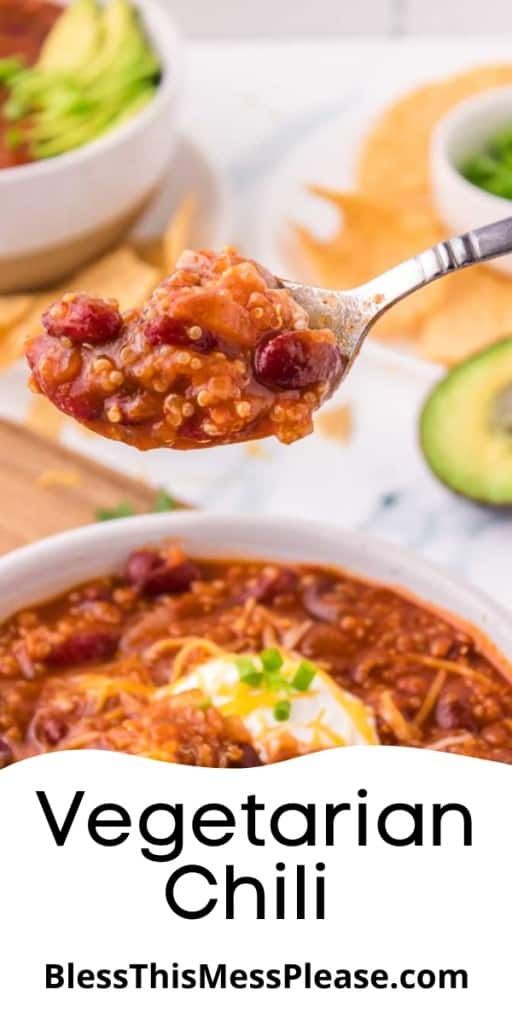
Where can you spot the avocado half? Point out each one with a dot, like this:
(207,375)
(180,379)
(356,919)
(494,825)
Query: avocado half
(466,426)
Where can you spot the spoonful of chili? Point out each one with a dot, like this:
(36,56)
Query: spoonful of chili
(223,351)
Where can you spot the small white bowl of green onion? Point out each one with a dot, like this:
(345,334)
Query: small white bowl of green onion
(471,165)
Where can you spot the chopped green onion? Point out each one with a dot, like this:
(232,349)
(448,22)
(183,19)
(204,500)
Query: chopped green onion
(491,168)
(164,502)
(271,659)
(276,681)
(282,710)
(253,679)
(304,676)
(245,666)
(248,671)
(120,511)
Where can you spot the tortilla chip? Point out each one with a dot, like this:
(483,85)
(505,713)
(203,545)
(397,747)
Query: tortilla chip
(13,308)
(178,233)
(151,250)
(371,239)
(392,218)
(476,312)
(336,424)
(120,275)
(59,478)
(394,161)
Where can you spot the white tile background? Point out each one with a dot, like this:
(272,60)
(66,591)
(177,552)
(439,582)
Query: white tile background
(340,17)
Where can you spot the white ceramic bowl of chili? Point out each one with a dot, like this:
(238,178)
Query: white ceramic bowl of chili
(40,571)
(60,213)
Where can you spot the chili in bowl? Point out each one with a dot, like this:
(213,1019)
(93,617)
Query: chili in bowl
(227,642)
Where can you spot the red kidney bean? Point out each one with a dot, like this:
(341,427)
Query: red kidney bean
(325,641)
(53,730)
(268,586)
(294,360)
(165,330)
(83,647)
(249,759)
(141,564)
(65,389)
(83,318)
(193,429)
(77,403)
(315,599)
(454,708)
(171,579)
(153,575)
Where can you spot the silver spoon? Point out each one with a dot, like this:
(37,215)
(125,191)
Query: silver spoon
(351,314)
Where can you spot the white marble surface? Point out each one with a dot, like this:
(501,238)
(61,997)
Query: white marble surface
(247,105)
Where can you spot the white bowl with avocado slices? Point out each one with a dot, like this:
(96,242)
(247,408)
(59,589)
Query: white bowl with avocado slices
(63,210)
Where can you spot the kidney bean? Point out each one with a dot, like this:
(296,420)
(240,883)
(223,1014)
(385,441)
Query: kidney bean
(324,641)
(78,403)
(166,330)
(295,359)
(153,575)
(82,647)
(64,386)
(319,601)
(249,759)
(141,564)
(82,318)
(171,579)
(454,709)
(270,585)
(53,730)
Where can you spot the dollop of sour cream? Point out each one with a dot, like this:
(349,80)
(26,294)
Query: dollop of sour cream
(322,716)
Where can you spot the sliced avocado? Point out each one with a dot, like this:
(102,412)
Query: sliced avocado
(466,426)
(74,39)
(9,68)
(123,44)
(77,134)
(76,131)
(97,69)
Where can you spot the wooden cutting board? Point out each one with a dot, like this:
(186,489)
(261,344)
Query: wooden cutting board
(45,488)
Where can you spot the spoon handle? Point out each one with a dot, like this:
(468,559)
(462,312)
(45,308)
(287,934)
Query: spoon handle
(476,246)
